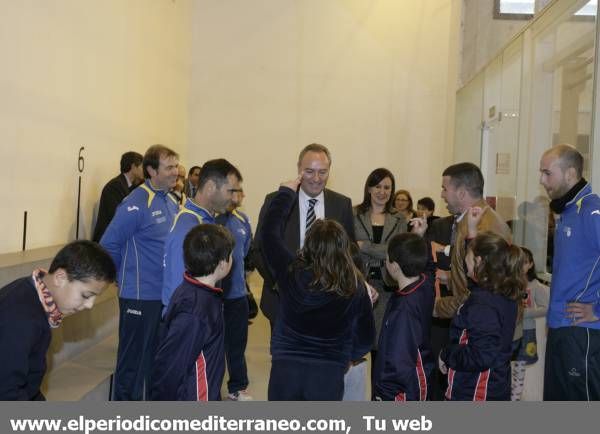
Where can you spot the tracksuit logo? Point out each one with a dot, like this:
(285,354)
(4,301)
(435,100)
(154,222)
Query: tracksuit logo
(574,373)
(134,312)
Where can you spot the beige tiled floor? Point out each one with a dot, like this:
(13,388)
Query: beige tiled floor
(72,380)
(89,370)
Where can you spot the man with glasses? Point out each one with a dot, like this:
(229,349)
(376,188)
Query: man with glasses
(235,300)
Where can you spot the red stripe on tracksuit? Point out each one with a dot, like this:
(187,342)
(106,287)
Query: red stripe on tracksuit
(464,340)
(480,393)
(201,381)
(401,397)
(421,377)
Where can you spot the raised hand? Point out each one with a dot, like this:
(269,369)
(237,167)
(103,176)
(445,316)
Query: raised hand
(292,184)
(474,215)
(418,225)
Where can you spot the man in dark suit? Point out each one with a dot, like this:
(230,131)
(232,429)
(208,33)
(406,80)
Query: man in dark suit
(191,183)
(440,235)
(132,174)
(314,202)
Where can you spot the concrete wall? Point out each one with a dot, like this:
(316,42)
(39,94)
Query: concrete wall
(373,80)
(108,75)
(251,81)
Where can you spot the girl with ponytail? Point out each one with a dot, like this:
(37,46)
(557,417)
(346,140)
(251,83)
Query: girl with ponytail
(478,357)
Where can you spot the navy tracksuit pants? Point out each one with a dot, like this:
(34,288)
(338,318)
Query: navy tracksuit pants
(293,380)
(235,312)
(572,367)
(138,326)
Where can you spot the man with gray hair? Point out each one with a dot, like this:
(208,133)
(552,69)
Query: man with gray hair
(572,367)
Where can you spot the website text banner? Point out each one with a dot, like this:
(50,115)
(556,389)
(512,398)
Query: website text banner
(297,417)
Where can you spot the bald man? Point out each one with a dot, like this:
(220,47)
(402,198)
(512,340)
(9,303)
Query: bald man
(572,368)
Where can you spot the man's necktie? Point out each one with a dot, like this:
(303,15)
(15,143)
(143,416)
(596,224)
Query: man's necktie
(310,214)
(453,230)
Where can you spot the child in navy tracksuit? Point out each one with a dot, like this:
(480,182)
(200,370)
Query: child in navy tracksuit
(190,361)
(32,305)
(478,357)
(326,318)
(405,360)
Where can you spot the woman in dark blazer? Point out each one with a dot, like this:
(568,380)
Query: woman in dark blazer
(375,222)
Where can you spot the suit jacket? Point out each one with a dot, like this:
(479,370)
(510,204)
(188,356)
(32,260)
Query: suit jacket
(112,194)
(374,254)
(440,231)
(189,190)
(337,207)
(446,307)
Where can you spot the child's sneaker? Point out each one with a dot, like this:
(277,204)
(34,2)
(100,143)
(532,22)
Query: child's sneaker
(240,395)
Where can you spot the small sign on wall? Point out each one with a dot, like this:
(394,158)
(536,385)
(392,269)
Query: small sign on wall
(502,163)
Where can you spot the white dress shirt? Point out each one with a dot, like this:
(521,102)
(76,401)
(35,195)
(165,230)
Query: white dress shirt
(303,205)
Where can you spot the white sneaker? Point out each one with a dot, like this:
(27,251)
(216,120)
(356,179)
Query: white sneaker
(240,395)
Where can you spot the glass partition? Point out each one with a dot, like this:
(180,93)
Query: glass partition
(563,81)
(538,93)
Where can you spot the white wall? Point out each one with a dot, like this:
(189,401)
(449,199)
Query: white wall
(109,75)
(254,82)
(373,80)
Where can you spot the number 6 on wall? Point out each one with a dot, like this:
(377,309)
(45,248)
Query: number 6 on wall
(81,160)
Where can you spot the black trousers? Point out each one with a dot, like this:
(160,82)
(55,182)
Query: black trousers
(572,367)
(292,380)
(440,337)
(138,325)
(235,313)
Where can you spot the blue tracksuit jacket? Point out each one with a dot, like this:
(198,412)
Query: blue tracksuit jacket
(189,216)
(478,357)
(135,240)
(190,360)
(234,285)
(576,263)
(404,360)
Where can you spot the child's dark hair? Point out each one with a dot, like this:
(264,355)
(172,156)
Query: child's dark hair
(409,251)
(501,268)
(531,273)
(427,202)
(326,253)
(84,260)
(204,247)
